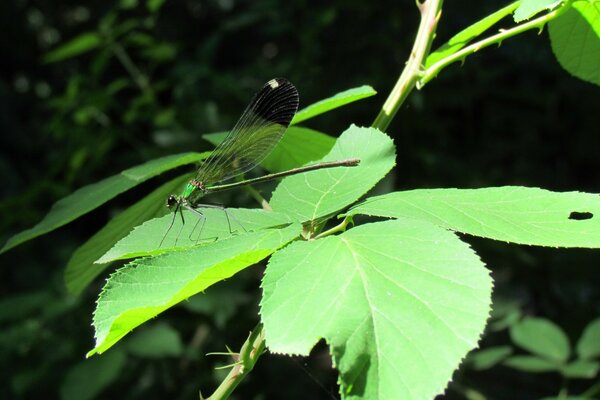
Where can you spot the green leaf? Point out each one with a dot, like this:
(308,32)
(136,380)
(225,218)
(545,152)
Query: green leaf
(87,379)
(532,364)
(157,341)
(89,197)
(528,8)
(297,147)
(511,213)
(145,239)
(145,288)
(575,39)
(465,36)
(154,5)
(541,337)
(81,269)
(309,196)
(399,302)
(588,345)
(74,47)
(581,369)
(487,358)
(331,103)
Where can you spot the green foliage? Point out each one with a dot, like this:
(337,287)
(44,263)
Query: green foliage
(81,269)
(81,44)
(399,302)
(331,103)
(575,39)
(541,337)
(552,351)
(512,214)
(92,196)
(529,8)
(309,197)
(145,288)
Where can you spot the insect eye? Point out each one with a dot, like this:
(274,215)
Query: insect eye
(171,200)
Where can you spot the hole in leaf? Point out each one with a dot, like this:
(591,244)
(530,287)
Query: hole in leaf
(580,216)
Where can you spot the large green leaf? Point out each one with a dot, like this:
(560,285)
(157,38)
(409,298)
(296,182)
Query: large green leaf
(333,102)
(575,38)
(145,288)
(81,269)
(158,236)
(511,213)
(399,302)
(89,197)
(463,38)
(297,147)
(541,337)
(309,196)
(528,8)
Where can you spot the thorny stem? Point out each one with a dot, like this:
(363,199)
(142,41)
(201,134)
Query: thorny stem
(537,23)
(430,12)
(249,354)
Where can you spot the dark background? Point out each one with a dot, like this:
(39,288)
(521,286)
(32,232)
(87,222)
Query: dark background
(508,116)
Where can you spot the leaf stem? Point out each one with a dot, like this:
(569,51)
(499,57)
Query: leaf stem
(249,354)
(338,228)
(430,12)
(431,72)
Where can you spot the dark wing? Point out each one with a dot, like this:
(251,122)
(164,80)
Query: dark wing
(257,132)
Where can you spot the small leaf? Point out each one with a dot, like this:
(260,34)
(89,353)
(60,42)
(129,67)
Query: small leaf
(178,234)
(581,369)
(514,214)
(87,379)
(575,39)
(589,343)
(543,338)
(81,269)
(74,47)
(157,341)
(310,196)
(143,289)
(528,8)
(89,197)
(399,302)
(532,364)
(465,36)
(331,103)
(487,358)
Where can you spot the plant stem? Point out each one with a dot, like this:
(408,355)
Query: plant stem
(538,23)
(430,13)
(249,354)
(338,228)
(138,77)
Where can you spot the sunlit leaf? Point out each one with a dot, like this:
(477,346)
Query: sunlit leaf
(144,288)
(512,213)
(399,302)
